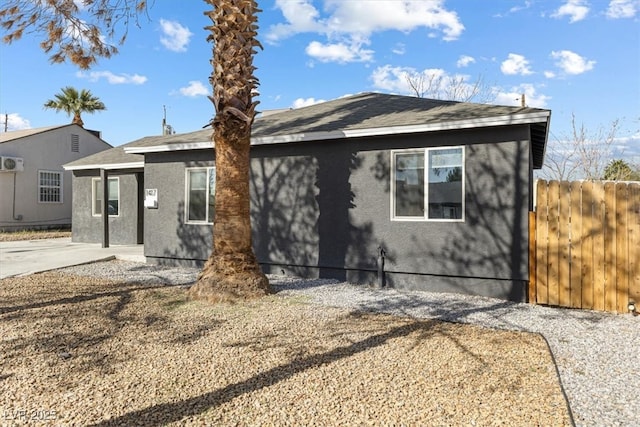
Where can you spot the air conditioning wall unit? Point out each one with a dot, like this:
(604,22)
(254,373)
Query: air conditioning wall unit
(11,164)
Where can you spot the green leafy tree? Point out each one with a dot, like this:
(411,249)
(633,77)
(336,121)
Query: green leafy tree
(75,103)
(619,170)
(232,270)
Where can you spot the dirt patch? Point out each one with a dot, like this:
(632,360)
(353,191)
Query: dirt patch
(80,350)
(33,235)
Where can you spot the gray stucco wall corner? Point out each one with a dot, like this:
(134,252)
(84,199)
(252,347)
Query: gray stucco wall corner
(322,209)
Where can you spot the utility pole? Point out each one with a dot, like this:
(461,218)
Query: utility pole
(6,122)
(523,102)
(164,119)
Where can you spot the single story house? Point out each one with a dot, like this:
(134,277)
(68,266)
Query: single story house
(35,190)
(438,190)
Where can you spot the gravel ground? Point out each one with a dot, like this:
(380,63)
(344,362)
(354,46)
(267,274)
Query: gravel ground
(33,235)
(95,350)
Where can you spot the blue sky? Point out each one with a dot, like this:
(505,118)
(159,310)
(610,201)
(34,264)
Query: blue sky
(575,57)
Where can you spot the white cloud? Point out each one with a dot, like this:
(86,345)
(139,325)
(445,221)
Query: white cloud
(623,8)
(516,64)
(394,79)
(339,52)
(15,122)
(175,36)
(351,23)
(301,16)
(549,74)
(400,49)
(571,62)
(111,78)
(513,97)
(302,102)
(465,60)
(195,88)
(514,9)
(577,10)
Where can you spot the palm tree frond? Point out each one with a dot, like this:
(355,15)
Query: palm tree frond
(74,103)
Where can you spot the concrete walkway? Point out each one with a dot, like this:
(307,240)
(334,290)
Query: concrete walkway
(33,256)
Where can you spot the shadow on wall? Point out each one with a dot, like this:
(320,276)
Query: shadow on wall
(301,215)
(194,241)
(491,247)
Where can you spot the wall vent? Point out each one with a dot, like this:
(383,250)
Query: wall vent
(75,143)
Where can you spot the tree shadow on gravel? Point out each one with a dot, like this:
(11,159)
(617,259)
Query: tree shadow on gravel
(105,315)
(124,294)
(171,412)
(455,308)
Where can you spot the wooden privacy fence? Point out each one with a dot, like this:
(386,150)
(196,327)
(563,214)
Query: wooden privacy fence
(585,245)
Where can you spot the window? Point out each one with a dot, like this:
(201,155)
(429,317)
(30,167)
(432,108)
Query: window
(428,184)
(113,193)
(49,187)
(201,194)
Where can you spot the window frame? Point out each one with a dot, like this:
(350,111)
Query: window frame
(59,187)
(93,196)
(425,152)
(209,170)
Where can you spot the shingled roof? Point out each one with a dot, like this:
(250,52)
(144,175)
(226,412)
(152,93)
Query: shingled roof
(113,158)
(365,114)
(24,133)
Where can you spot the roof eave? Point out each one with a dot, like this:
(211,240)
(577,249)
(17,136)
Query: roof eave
(109,166)
(505,120)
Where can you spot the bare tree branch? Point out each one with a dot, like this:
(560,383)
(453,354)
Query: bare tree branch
(436,85)
(583,154)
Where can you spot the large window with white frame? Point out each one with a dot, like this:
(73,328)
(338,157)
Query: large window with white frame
(200,195)
(113,193)
(50,187)
(427,184)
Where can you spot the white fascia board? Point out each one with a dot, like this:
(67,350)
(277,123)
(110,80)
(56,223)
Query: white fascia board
(132,165)
(516,119)
(169,147)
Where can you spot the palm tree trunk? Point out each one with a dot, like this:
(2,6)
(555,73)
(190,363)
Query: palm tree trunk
(232,270)
(77,120)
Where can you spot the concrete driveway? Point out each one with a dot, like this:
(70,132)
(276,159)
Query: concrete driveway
(34,256)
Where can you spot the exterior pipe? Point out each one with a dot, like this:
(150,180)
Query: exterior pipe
(19,217)
(381,253)
(104,183)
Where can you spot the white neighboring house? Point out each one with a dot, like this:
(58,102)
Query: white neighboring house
(35,190)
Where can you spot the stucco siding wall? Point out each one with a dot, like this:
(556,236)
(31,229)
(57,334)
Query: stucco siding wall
(167,235)
(47,151)
(123,228)
(323,209)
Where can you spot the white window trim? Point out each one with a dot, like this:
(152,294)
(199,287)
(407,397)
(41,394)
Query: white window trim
(186,195)
(61,174)
(425,217)
(93,197)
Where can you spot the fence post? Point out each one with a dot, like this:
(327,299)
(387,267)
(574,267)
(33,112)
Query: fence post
(532,258)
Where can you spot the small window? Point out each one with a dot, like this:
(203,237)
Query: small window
(75,143)
(113,193)
(428,184)
(201,194)
(49,187)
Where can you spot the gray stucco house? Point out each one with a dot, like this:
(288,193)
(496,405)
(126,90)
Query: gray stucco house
(35,190)
(443,187)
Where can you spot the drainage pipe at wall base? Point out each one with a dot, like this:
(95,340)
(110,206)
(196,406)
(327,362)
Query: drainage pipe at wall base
(19,217)
(381,254)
